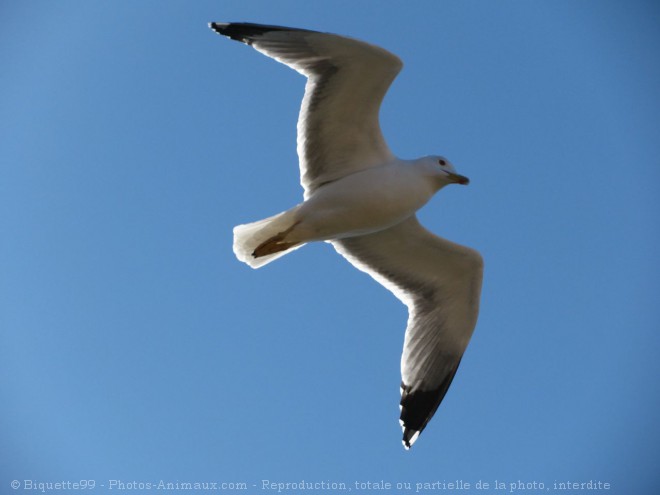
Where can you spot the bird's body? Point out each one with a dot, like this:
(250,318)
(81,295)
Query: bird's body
(363,200)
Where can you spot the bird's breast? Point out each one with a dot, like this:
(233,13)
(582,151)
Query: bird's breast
(363,202)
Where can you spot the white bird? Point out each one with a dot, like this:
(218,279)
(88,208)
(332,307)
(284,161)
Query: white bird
(363,199)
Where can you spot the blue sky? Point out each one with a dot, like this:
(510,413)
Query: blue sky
(135,347)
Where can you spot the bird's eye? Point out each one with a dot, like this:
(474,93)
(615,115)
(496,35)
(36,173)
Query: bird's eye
(442,162)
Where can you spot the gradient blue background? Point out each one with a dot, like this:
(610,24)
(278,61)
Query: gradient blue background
(135,347)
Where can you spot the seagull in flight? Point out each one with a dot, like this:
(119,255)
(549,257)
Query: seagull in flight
(362,199)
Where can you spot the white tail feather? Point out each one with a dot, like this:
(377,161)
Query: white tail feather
(249,236)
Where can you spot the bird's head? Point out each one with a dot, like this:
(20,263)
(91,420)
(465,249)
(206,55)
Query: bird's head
(442,171)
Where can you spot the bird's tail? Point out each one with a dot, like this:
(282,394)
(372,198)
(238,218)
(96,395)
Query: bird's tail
(259,243)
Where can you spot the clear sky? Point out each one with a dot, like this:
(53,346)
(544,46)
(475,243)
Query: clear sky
(135,347)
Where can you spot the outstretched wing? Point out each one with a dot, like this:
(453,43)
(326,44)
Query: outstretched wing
(338,128)
(440,282)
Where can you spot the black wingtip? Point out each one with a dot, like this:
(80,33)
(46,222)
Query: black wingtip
(226,29)
(419,406)
(246,31)
(409,437)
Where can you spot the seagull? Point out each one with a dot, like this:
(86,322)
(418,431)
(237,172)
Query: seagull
(362,199)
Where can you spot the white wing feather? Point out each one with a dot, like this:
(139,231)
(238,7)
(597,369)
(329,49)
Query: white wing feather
(440,282)
(338,128)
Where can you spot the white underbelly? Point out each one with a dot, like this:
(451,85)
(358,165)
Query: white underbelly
(362,203)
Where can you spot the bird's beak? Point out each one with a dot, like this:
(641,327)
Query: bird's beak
(458,179)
